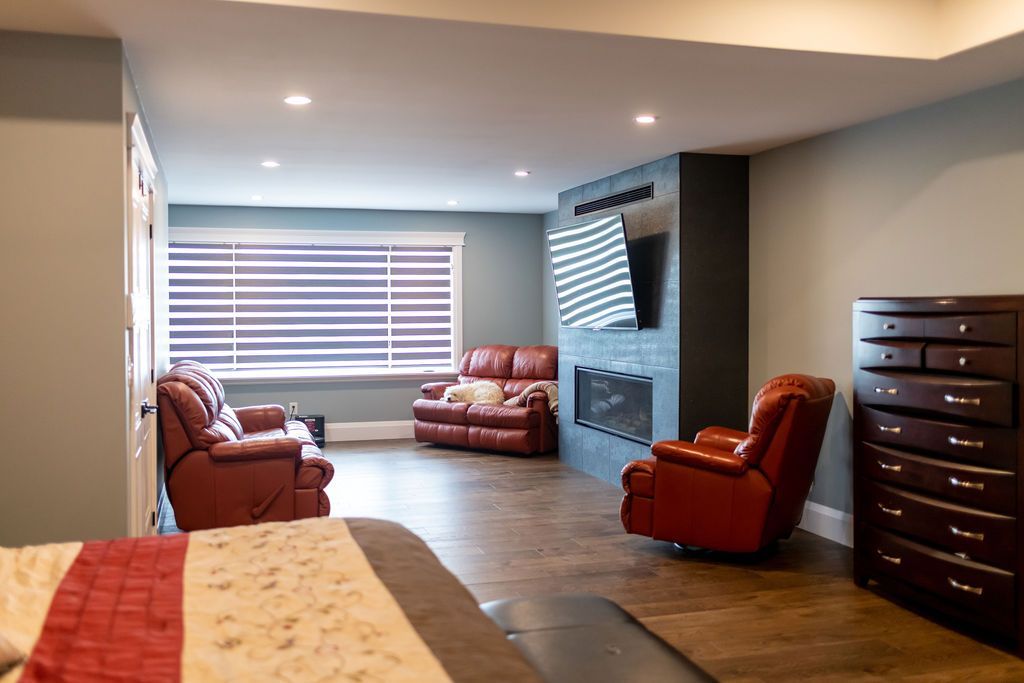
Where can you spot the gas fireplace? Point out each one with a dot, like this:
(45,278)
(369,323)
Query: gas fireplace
(615,403)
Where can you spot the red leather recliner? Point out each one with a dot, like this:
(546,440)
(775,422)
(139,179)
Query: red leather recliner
(734,491)
(225,467)
(512,429)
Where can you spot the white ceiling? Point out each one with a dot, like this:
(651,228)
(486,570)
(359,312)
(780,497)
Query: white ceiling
(409,112)
(926,29)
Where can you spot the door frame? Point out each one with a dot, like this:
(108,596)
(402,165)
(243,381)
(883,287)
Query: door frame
(140,153)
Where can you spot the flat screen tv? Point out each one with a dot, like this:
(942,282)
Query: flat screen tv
(592,281)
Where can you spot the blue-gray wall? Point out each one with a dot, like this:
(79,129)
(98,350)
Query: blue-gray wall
(549,306)
(502,283)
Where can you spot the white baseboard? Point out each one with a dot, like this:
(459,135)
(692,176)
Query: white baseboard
(369,431)
(835,525)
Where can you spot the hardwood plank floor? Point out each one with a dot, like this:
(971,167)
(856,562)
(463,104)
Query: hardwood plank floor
(510,526)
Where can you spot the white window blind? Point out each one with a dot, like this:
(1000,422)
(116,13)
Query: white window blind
(299,310)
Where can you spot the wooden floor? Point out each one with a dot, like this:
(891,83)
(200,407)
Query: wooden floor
(528,526)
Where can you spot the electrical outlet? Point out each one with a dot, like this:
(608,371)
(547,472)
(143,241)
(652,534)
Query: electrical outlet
(293,408)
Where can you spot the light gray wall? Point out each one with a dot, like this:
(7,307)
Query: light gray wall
(502,286)
(928,203)
(549,304)
(63,410)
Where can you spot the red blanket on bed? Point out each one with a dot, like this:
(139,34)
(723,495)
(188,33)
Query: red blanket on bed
(116,615)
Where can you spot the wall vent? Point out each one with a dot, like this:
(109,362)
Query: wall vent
(637,194)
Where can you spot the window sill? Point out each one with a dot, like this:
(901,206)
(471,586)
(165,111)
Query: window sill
(293,377)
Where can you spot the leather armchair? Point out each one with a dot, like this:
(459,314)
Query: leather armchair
(511,429)
(730,490)
(225,467)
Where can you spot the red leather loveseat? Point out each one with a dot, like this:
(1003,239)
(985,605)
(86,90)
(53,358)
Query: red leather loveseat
(512,429)
(225,467)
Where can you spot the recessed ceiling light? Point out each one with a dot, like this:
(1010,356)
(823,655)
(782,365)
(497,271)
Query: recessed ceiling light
(297,100)
(270,164)
(453,202)
(522,173)
(645,119)
(257,197)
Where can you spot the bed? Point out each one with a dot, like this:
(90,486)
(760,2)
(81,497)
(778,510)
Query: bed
(316,599)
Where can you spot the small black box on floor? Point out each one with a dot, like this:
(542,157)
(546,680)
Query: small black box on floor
(315,425)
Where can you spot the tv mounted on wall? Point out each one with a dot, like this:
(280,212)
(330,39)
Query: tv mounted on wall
(592,279)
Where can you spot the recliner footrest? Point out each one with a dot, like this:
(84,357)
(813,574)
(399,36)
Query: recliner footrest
(589,639)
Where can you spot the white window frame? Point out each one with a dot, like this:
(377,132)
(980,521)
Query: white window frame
(455,240)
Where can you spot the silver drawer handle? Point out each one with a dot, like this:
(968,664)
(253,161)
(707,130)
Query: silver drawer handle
(961,400)
(973,535)
(962,361)
(895,512)
(976,590)
(890,468)
(886,356)
(890,558)
(964,329)
(891,391)
(976,485)
(953,441)
(890,430)
(888,326)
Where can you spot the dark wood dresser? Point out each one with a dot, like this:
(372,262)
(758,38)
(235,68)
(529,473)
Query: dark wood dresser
(937,449)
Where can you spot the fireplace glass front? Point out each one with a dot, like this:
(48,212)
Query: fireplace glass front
(615,403)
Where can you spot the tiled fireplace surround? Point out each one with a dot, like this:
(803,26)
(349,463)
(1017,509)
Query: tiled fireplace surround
(690,237)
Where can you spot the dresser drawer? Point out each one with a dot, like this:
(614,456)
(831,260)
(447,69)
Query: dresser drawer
(884,325)
(982,487)
(985,400)
(992,361)
(986,591)
(889,354)
(992,446)
(981,536)
(991,328)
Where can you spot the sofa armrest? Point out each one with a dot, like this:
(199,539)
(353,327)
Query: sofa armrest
(699,456)
(315,471)
(642,468)
(257,449)
(435,390)
(538,400)
(260,418)
(721,438)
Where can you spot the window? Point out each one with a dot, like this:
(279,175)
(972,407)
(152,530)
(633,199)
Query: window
(290,304)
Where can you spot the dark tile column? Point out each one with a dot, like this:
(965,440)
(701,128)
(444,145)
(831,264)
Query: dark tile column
(683,283)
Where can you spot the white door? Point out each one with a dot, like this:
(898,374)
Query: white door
(142,436)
